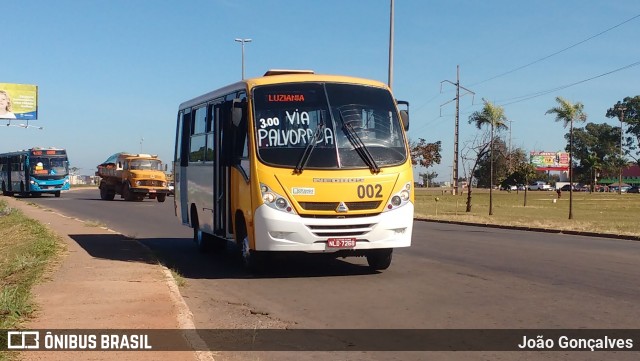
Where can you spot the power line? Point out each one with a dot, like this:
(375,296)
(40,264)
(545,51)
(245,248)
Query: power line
(557,52)
(545,92)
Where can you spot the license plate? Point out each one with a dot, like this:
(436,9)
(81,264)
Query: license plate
(152,190)
(341,242)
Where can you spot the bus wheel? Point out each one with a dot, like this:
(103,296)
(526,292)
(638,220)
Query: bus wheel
(161,197)
(199,237)
(253,260)
(57,194)
(379,259)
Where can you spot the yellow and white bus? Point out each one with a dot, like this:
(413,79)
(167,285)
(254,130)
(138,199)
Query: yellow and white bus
(296,161)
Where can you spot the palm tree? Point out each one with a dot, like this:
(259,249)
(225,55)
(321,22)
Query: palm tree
(567,112)
(492,115)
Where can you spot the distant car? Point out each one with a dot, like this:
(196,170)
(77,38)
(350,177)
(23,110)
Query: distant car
(634,189)
(567,187)
(509,188)
(540,186)
(171,189)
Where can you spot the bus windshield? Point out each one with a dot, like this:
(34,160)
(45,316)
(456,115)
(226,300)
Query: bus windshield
(49,166)
(289,116)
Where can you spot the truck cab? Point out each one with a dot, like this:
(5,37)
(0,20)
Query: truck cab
(133,176)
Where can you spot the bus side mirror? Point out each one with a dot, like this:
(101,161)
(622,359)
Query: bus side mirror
(404,113)
(166,167)
(237,109)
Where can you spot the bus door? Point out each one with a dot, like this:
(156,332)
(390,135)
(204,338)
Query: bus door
(181,165)
(220,173)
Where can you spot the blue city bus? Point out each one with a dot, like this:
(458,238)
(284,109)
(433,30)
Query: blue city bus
(35,171)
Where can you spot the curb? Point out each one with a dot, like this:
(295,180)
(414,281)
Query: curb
(536,229)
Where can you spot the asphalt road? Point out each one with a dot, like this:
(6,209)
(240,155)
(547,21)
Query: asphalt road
(452,277)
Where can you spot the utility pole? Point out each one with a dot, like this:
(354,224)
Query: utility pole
(457,122)
(510,152)
(621,117)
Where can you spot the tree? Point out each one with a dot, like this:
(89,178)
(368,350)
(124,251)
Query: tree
(428,177)
(567,112)
(425,154)
(524,172)
(629,112)
(492,115)
(476,150)
(483,173)
(596,146)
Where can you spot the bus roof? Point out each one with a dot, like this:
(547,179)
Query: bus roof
(279,76)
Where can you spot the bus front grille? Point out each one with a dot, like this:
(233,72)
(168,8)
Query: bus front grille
(346,230)
(331,206)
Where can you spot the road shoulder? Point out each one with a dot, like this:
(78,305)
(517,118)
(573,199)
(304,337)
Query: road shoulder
(103,281)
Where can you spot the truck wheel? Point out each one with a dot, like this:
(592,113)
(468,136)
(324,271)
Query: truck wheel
(126,192)
(103,194)
(161,197)
(379,259)
(57,194)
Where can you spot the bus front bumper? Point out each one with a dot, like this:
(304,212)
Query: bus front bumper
(278,231)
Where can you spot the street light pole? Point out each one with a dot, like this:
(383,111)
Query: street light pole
(391,15)
(242,41)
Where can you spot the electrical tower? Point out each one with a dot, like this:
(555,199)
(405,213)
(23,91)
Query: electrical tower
(456,131)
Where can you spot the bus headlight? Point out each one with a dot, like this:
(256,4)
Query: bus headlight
(268,197)
(274,200)
(281,203)
(137,183)
(399,199)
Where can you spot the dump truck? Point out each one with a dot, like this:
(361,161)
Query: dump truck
(133,176)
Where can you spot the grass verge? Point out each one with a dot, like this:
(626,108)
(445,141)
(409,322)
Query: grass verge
(592,212)
(26,250)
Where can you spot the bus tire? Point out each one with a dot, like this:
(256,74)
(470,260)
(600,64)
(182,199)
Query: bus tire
(379,259)
(254,261)
(161,197)
(202,240)
(57,194)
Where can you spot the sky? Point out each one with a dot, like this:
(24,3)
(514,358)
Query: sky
(111,74)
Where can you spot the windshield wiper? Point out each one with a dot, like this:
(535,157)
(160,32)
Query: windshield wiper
(359,146)
(317,135)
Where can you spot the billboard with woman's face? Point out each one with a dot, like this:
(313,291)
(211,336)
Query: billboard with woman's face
(18,101)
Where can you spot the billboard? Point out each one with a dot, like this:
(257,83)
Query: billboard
(558,161)
(18,101)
